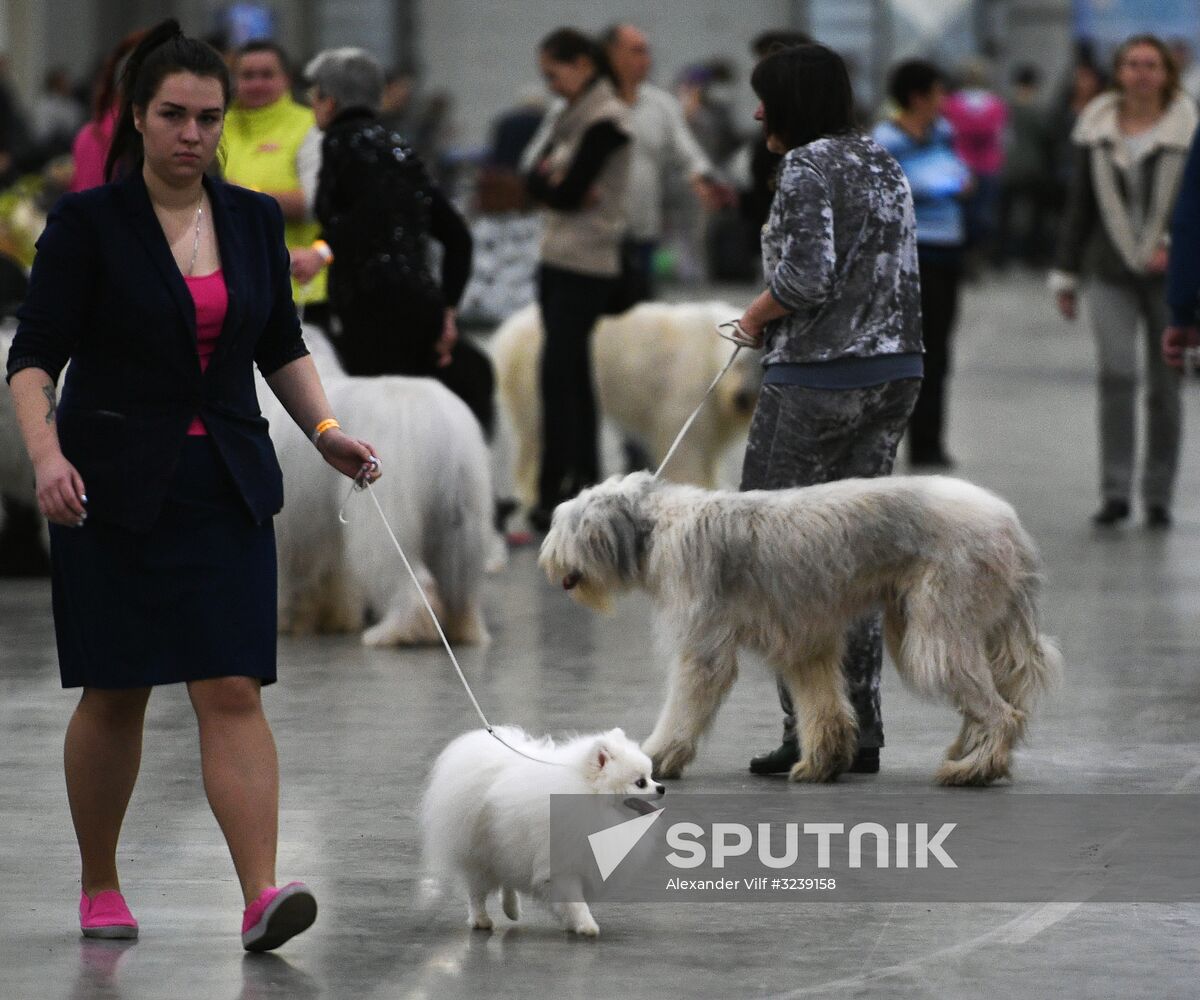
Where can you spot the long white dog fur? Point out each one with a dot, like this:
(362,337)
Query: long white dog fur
(436,493)
(785,572)
(651,366)
(16,474)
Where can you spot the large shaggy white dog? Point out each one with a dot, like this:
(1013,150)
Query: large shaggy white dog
(436,493)
(785,572)
(651,366)
(16,474)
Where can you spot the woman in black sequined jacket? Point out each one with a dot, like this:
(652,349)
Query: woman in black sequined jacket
(378,209)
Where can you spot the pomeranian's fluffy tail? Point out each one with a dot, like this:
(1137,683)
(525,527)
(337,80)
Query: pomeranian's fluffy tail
(456,789)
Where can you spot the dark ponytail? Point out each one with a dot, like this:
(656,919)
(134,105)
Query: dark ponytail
(164,50)
(565,45)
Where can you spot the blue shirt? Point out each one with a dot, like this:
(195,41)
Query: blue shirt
(937,178)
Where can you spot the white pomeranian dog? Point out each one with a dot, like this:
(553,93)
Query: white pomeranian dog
(485,815)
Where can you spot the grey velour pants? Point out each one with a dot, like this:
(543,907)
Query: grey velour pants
(801,437)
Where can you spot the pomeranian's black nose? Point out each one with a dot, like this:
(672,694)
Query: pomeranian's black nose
(661,789)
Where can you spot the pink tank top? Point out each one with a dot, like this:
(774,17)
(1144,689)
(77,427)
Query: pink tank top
(211,299)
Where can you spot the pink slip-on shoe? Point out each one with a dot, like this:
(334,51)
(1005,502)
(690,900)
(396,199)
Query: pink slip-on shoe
(277,915)
(106,916)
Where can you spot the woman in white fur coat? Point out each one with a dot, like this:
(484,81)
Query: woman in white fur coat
(1131,144)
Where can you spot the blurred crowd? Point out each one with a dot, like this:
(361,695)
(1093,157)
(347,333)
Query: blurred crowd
(478,232)
(709,193)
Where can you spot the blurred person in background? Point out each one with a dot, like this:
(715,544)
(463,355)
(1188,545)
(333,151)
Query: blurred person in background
(662,142)
(514,129)
(703,92)
(756,195)
(423,120)
(273,145)
(1026,181)
(56,114)
(1189,69)
(90,148)
(397,107)
(708,228)
(378,208)
(505,228)
(1084,82)
(580,175)
(922,141)
(1131,144)
(16,143)
(978,117)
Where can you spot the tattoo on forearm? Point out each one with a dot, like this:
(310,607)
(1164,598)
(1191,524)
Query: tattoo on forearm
(51,401)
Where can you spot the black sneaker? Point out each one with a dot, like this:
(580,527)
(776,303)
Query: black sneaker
(778,760)
(866,761)
(781,759)
(1158,518)
(1111,512)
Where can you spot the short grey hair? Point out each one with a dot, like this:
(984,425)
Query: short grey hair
(352,77)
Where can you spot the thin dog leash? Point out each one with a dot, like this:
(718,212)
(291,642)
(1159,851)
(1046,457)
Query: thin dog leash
(361,483)
(738,337)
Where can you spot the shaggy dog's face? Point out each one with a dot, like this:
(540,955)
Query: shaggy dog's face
(596,541)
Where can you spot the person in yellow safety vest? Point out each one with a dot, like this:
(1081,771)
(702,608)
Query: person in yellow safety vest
(272,145)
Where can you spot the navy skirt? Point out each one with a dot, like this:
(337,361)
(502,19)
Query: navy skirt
(193,598)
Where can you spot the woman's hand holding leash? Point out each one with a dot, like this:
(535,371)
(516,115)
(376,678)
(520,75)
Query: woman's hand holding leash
(742,334)
(60,492)
(352,457)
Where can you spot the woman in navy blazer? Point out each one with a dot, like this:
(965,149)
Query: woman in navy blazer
(155,469)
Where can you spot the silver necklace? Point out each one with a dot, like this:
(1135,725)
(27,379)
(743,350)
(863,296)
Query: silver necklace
(196,240)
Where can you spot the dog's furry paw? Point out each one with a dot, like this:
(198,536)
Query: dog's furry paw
(967,773)
(389,632)
(586,928)
(670,761)
(811,770)
(480,922)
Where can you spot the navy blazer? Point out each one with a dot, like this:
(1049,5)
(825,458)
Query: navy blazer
(107,295)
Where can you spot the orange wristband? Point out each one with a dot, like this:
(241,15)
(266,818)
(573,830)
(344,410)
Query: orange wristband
(327,424)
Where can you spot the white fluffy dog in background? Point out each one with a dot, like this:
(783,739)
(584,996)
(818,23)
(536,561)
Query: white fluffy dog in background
(785,572)
(16,474)
(651,366)
(485,814)
(436,493)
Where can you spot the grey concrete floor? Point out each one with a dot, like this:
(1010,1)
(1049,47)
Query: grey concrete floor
(358,728)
